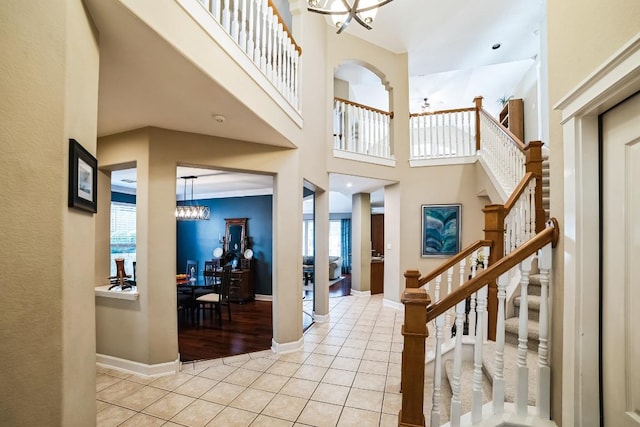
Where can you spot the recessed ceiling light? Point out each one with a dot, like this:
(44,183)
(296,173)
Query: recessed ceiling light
(496,46)
(219,118)
(349,185)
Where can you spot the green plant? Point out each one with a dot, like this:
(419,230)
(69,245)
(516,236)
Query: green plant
(504,99)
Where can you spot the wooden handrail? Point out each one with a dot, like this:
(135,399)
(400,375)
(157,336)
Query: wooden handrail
(515,139)
(453,261)
(517,192)
(365,107)
(548,235)
(284,26)
(431,113)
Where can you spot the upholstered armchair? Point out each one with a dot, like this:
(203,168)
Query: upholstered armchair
(335,267)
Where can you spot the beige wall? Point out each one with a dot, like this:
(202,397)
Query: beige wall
(48,81)
(151,333)
(581,36)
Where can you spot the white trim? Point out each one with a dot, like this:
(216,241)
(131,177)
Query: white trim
(321,318)
(287,347)
(360,293)
(494,181)
(129,294)
(130,366)
(260,297)
(418,163)
(392,304)
(348,155)
(613,81)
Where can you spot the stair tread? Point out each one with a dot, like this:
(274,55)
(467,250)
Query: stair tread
(510,370)
(512,324)
(533,302)
(466,384)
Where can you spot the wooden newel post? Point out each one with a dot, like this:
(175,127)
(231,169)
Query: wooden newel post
(533,156)
(415,333)
(412,277)
(478,101)
(494,231)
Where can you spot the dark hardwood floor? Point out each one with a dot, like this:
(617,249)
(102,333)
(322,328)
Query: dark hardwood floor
(250,329)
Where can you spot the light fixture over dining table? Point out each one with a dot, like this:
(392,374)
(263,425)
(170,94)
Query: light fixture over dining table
(191,211)
(343,11)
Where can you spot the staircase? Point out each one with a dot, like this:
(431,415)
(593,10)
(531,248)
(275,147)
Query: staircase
(470,379)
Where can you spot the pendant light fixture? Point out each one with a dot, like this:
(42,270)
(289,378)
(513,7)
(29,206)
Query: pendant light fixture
(343,11)
(191,211)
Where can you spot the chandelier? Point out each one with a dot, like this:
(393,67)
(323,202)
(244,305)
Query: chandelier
(343,11)
(191,211)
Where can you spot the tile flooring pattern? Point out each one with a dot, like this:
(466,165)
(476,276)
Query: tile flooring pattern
(348,374)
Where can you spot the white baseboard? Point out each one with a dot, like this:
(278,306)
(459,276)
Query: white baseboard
(392,304)
(360,293)
(320,318)
(130,366)
(259,297)
(287,347)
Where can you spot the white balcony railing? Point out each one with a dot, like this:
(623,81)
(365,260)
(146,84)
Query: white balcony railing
(260,32)
(443,134)
(361,129)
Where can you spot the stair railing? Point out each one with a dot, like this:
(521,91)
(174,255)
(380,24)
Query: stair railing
(503,152)
(450,275)
(414,357)
(361,129)
(443,134)
(259,30)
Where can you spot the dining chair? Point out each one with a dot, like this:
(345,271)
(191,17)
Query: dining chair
(121,278)
(217,299)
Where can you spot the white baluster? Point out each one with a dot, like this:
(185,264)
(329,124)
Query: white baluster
(264,36)
(242,36)
(544,372)
(437,374)
(485,264)
(447,316)
(250,35)
(523,370)
(474,296)
(226,16)
(437,291)
(296,82)
(476,409)
(215,9)
(456,406)
(234,20)
(498,377)
(277,39)
(533,210)
(270,43)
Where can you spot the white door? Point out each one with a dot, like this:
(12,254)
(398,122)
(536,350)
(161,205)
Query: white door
(621,264)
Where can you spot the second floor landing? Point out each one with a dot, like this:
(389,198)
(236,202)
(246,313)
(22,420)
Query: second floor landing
(172,64)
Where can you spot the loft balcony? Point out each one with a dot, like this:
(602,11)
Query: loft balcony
(177,64)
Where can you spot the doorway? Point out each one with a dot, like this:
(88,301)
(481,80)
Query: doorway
(308,254)
(620,234)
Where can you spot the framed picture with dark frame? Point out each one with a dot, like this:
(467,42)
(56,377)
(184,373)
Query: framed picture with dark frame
(441,230)
(83,178)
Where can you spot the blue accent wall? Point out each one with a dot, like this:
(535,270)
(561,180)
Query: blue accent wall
(197,239)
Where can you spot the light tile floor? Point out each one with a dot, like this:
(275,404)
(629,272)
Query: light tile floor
(348,374)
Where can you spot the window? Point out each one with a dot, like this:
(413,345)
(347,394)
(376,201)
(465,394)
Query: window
(123,235)
(335,238)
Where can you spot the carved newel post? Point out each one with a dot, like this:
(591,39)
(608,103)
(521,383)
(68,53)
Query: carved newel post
(415,333)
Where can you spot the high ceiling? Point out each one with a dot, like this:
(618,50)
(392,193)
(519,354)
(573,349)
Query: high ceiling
(449,48)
